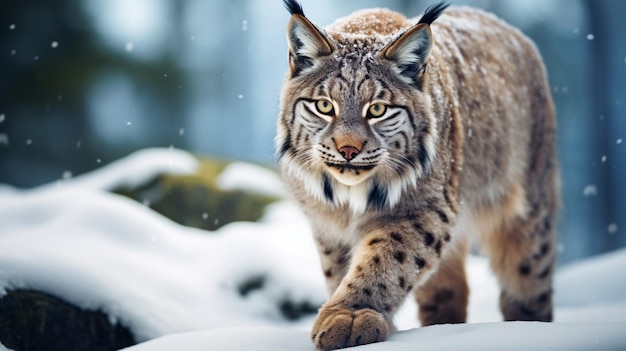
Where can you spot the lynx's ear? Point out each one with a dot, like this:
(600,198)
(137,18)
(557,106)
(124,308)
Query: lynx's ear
(306,42)
(408,53)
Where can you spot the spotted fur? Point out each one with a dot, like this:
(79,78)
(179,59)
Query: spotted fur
(399,137)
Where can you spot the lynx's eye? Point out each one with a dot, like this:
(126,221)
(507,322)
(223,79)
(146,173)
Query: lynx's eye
(324,107)
(376,110)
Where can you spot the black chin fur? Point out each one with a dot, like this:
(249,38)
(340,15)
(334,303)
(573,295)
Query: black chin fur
(328,188)
(377,196)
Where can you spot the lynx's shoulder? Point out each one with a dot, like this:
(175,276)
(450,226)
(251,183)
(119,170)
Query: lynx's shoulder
(371,22)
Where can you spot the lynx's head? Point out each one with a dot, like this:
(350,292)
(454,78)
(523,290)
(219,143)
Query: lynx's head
(355,124)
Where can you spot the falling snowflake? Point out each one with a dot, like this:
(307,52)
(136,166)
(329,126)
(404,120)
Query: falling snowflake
(2,117)
(590,36)
(619,141)
(129,47)
(590,190)
(244,25)
(11,26)
(612,228)
(54,44)
(181,131)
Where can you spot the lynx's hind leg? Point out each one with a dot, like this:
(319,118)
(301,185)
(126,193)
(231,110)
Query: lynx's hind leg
(443,297)
(522,253)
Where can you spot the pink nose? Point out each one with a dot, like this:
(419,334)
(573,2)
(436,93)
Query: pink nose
(349,152)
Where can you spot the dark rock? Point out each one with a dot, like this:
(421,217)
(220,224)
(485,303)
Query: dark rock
(31,320)
(289,308)
(251,284)
(294,310)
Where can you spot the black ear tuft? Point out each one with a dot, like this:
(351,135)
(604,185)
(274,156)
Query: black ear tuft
(431,14)
(293,7)
(307,43)
(408,53)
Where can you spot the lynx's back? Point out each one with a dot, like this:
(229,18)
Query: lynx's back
(399,138)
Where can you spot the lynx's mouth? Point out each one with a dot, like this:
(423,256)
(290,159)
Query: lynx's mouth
(350,174)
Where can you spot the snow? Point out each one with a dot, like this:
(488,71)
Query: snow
(181,288)
(134,170)
(521,336)
(590,190)
(249,177)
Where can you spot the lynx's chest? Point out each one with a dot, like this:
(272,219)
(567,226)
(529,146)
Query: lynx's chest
(338,225)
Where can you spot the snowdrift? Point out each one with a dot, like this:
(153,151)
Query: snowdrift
(237,288)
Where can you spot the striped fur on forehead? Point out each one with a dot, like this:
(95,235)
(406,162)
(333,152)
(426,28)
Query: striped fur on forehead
(365,83)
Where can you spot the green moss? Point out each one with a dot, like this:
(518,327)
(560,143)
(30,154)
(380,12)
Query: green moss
(197,201)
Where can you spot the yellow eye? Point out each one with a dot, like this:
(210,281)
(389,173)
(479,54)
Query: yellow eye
(324,107)
(376,110)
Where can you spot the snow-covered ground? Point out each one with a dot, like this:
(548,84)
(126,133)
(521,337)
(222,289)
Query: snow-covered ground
(182,287)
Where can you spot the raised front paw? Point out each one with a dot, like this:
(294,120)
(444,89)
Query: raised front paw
(336,328)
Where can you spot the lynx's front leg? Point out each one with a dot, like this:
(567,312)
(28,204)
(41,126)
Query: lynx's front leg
(385,266)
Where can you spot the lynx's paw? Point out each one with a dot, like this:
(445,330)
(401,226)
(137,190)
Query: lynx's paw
(336,328)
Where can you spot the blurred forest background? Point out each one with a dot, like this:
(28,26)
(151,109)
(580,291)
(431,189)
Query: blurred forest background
(84,82)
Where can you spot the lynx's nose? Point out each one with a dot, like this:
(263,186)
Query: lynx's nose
(349,152)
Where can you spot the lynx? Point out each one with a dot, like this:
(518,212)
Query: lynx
(401,139)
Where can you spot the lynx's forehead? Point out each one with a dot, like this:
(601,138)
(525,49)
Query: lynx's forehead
(353,76)
(359,38)
(361,35)
(355,55)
